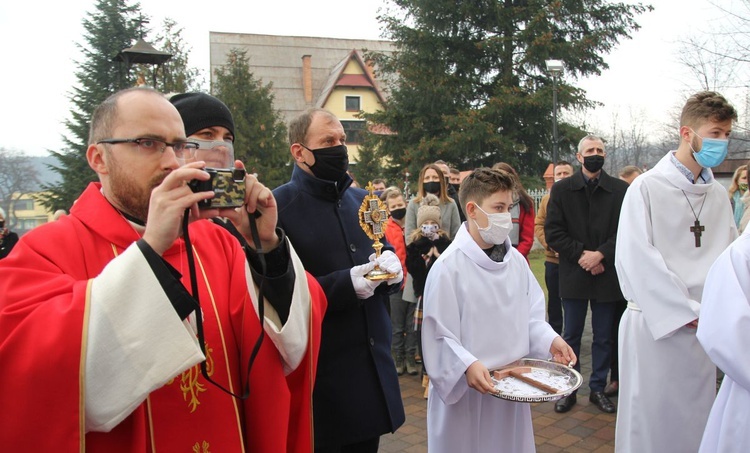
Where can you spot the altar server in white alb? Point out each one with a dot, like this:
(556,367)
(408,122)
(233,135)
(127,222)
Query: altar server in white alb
(483,309)
(675,221)
(724,332)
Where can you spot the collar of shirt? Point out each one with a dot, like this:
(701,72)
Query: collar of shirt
(496,252)
(588,180)
(686,172)
(325,189)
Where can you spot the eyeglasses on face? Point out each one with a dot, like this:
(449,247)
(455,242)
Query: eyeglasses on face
(182,150)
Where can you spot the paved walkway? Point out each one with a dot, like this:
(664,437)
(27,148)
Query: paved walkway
(584,429)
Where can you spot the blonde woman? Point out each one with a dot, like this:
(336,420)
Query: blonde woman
(432,180)
(736,191)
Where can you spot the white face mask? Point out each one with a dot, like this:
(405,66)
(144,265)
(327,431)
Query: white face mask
(429,230)
(500,225)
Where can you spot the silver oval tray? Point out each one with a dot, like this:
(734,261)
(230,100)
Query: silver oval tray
(561,377)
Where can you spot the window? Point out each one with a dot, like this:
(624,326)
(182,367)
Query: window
(353,104)
(29,224)
(23,205)
(353,130)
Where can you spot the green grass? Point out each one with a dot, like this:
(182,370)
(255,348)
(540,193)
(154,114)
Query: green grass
(536,260)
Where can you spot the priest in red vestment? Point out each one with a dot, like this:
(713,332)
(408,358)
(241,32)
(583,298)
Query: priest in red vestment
(99,331)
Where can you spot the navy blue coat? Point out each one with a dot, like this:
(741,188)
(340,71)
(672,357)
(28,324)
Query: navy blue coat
(356,395)
(576,222)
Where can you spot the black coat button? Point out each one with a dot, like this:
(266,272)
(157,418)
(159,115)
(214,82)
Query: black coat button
(353,248)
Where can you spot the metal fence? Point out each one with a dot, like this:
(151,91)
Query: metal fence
(536,195)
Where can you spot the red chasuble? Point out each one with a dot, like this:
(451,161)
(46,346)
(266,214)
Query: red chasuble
(45,299)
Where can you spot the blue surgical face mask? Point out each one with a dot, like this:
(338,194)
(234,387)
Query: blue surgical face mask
(712,152)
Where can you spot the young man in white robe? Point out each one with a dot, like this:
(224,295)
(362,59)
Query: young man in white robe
(675,221)
(724,332)
(483,309)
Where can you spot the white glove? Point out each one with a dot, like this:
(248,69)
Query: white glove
(363,287)
(389,262)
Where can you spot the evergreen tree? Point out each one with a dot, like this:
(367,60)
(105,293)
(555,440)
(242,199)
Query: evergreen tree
(371,166)
(112,27)
(174,76)
(470,81)
(368,166)
(260,134)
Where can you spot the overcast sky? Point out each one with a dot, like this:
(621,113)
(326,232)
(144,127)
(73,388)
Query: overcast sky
(39,51)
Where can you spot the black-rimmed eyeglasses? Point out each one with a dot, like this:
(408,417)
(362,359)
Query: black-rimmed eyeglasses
(182,150)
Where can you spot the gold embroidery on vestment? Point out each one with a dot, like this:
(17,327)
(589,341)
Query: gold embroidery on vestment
(189,384)
(201,447)
(224,350)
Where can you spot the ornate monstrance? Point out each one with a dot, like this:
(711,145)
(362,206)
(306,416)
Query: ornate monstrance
(372,218)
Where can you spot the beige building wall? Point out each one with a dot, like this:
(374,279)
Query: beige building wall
(337,100)
(28,213)
(306,72)
(368,102)
(337,105)
(279,60)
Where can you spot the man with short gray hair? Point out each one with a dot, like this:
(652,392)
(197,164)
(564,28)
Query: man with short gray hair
(581,227)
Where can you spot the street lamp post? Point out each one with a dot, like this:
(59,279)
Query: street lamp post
(554,67)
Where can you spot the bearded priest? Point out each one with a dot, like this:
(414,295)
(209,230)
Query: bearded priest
(135,325)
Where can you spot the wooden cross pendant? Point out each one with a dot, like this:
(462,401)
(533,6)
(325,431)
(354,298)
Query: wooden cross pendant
(697,230)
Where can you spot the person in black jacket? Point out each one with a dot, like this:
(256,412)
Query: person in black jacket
(357,396)
(581,225)
(426,243)
(8,238)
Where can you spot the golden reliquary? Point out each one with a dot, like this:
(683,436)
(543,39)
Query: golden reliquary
(372,217)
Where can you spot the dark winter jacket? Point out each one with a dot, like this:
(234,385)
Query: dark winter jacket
(579,219)
(7,243)
(418,267)
(356,395)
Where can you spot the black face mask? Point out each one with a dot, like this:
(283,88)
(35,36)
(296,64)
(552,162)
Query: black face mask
(432,187)
(330,163)
(456,187)
(399,213)
(593,163)
(2,223)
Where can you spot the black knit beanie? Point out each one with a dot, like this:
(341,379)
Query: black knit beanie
(201,110)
